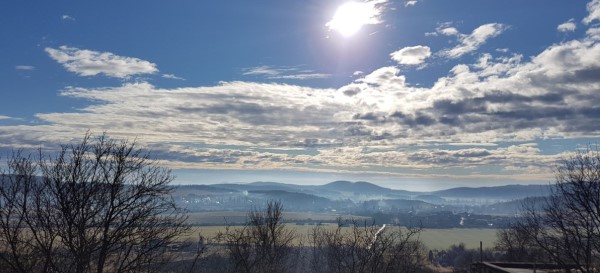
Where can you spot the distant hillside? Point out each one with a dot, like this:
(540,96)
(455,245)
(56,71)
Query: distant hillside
(356,192)
(396,205)
(513,207)
(362,187)
(264,186)
(508,192)
(203,188)
(429,198)
(295,201)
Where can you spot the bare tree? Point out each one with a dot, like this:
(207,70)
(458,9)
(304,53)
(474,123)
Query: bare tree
(100,206)
(263,244)
(516,245)
(366,248)
(567,226)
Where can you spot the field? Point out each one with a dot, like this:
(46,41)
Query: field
(432,238)
(228,217)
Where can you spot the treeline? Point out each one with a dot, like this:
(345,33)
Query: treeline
(265,244)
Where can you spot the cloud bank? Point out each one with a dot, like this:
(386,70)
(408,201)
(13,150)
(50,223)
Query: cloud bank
(489,114)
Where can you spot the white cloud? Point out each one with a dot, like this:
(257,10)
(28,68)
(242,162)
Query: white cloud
(4,117)
(410,3)
(412,55)
(448,31)
(283,73)
(593,8)
(264,70)
(24,67)
(593,33)
(472,42)
(302,76)
(378,120)
(172,76)
(90,63)
(445,29)
(67,17)
(567,26)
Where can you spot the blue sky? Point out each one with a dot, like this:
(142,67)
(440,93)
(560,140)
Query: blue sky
(408,94)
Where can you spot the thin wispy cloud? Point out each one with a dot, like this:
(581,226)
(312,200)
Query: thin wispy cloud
(90,63)
(67,17)
(410,3)
(471,42)
(25,67)
(172,76)
(283,73)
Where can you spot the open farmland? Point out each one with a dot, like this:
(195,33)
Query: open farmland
(239,217)
(431,238)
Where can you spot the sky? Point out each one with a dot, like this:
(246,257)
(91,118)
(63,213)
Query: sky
(420,95)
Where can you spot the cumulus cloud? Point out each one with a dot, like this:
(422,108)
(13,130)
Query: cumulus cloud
(378,120)
(593,8)
(412,55)
(471,42)
(90,63)
(567,26)
(283,73)
(24,67)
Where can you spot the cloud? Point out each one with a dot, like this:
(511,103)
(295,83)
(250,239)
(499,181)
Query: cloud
(496,99)
(24,67)
(283,73)
(376,123)
(172,76)
(593,8)
(471,42)
(5,117)
(67,18)
(449,31)
(90,63)
(413,55)
(593,33)
(410,3)
(445,29)
(567,26)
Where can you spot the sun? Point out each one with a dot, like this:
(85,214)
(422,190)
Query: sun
(350,17)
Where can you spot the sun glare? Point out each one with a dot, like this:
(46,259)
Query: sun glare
(351,16)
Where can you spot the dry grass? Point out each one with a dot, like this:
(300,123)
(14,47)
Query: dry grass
(432,238)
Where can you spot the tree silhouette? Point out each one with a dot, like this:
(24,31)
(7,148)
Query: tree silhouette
(99,206)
